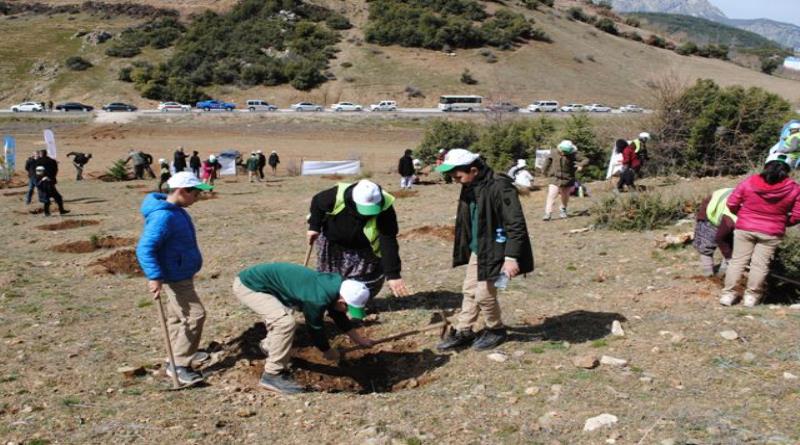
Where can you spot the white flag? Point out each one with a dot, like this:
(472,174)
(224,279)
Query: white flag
(50,140)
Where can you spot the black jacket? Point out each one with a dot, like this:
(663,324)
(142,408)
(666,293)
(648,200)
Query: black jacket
(194,161)
(50,167)
(347,228)
(30,167)
(406,166)
(262,160)
(180,160)
(274,160)
(498,207)
(45,189)
(80,158)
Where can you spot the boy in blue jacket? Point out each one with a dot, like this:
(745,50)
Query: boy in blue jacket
(168,254)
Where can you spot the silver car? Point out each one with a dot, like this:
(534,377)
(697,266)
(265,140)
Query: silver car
(306,106)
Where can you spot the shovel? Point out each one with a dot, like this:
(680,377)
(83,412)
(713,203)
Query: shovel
(163,318)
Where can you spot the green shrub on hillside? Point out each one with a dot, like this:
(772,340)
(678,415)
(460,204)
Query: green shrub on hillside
(786,263)
(640,212)
(442,134)
(580,130)
(770,64)
(576,13)
(657,41)
(123,50)
(501,144)
(535,4)
(607,25)
(338,21)
(77,63)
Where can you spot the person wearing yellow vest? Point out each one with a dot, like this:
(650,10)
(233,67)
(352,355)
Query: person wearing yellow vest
(791,145)
(355,230)
(714,229)
(640,148)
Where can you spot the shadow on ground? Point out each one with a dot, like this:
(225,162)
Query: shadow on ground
(436,300)
(574,327)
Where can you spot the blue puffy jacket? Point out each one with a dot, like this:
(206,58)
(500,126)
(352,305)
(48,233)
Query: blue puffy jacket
(167,249)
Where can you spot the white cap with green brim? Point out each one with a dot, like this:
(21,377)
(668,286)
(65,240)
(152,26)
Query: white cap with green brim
(780,157)
(567,146)
(368,196)
(356,295)
(457,157)
(187,180)
(794,126)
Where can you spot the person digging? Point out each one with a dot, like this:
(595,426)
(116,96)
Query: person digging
(273,289)
(491,239)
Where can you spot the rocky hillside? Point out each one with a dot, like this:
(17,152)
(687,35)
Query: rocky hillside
(784,33)
(695,8)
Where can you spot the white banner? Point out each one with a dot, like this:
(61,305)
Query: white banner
(331,168)
(614,163)
(9,156)
(541,156)
(50,140)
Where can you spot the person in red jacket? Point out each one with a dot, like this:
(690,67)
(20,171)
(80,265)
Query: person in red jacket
(764,205)
(630,164)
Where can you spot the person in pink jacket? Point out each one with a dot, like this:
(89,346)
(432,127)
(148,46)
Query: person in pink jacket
(764,205)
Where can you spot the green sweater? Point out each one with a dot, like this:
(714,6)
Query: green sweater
(307,290)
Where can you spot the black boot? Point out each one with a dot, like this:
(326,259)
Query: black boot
(490,338)
(456,339)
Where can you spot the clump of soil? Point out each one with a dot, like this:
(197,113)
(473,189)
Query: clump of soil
(20,193)
(332,177)
(36,211)
(106,242)
(135,186)
(69,224)
(447,233)
(120,262)
(13,183)
(404,193)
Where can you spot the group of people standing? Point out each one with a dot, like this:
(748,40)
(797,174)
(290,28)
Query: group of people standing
(42,173)
(256,163)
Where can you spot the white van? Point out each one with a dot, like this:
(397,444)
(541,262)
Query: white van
(543,106)
(260,105)
(384,105)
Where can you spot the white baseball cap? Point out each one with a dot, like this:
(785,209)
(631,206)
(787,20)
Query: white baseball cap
(567,146)
(522,163)
(274,152)
(258,151)
(356,294)
(212,158)
(187,180)
(457,157)
(644,135)
(368,196)
(162,161)
(780,157)
(794,126)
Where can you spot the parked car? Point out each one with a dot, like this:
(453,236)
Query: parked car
(119,106)
(384,105)
(305,106)
(346,106)
(213,104)
(27,106)
(631,108)
(571,108)
(173,106)
(543,106)
(598,108)
(260,105)
(74,106)
(503,107)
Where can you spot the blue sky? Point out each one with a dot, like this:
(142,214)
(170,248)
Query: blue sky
(781,10)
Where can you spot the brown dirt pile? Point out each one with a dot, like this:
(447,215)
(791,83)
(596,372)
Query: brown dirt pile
(120,262)
(106,242)
(69,224)
(404,193)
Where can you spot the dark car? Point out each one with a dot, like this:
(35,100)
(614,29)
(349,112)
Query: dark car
(505,107)
(119,106)
(74,106)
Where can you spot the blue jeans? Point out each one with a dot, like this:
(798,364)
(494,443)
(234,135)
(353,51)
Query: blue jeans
(31,188)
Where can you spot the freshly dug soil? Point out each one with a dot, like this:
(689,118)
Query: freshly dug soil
(404,193)
(69,224)
(120,262)
(20,193)
(447,233)
(135,186)
(332,177)
(106,242)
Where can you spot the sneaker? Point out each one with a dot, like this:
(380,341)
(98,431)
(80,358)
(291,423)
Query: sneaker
(751,300)
(63,212)
(728,299)
(280,383)
(456,339)
(562,213)
(546,217)
(199,359)
(186,375)
(489,339)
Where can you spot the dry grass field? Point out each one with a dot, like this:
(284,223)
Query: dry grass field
(72,314)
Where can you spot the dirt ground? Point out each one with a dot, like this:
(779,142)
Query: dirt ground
(69,320)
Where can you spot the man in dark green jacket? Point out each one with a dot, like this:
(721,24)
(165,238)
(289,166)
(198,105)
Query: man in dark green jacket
(272,289)
(491,239)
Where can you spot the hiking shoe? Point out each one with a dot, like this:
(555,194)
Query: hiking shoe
(455,339)
(63,212)
(546,217)
(751,300)
(280,383)
(562,213)
(489,339)
(186,375)
(199,358)
(728,299)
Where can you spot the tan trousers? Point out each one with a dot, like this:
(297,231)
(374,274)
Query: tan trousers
(479,297)
(755,249)
(280,325)
(552,193)
(185,318)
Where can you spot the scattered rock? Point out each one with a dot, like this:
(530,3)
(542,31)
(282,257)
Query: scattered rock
(669,441)
(547,420)
(518,353)
(613,361)
(789,376)
(131,371)
(795,306)
(586,361)
(532,390)
(97,37)
(616,329)
(646,379)
(677,338)
(729,334)
(601,421)
(497,357)
(748,357)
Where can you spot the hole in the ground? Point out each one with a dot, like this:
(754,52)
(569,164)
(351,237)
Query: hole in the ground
(15,193)
(447,233)
(105,242)
(69,224)
(120,262)
(332,177)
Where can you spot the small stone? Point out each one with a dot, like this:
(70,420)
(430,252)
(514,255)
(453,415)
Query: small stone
(547,420)
(668,442)
(131,371)
(586,361)
(479,389)
(616,329)
(748,357)
(27,409)
(646,379)
(602,421)
(795,306)
(729,334)
(497,357)
(518,353)
(244,412)
(655,350)
(613,361)
(532,390)
(789,376)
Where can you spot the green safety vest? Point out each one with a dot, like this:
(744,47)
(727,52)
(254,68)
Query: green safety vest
(638,144)
(787,143)
(718,206)
(371,228)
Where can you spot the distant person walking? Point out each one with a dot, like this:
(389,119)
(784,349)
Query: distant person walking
(273,161)
(252,167)
(46,189)
(179,161)
(50,105)
(262,162)
(523,179)
(168,254)
(30,168)
(764,205)
(561,167)
(163,167)
(50,165)
(406,169)
(630,165)
(194,163)
(640,148)
(139,162)
(79,160)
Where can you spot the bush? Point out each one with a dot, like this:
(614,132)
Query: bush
(640,212)
(124,74)
(687,49)
(633,22)
(535,4)
(579,130)
(119,171)
(466,78)
(338,21)
(123,50)
(576,13)
(76,63)
(607,25)
(413,92)
(786,263)
(769,65)
(657,41)
(447,135)
(503,143)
